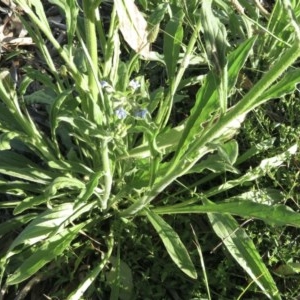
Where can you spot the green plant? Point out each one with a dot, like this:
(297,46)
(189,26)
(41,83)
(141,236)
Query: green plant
(109,151)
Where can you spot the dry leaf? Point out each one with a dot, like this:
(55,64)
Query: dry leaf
(133,26)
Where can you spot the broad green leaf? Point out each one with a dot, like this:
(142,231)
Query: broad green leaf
(229,151)
(173,35)
(173,244)
(85,128)
(215,164)
(56,110)
(71,166)
(8,120)
(243,250)
(288,269)
(18,187)
(91,187)
(221,161)
(49,250)
(41,77)
(264,196)
(214,33)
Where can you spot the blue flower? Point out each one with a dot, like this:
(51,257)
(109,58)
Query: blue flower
(141,113)
(134,84)
(121,113)
(104,84)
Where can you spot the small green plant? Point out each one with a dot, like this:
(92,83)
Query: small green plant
(100,163)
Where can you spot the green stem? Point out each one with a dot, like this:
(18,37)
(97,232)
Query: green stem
(92,47)
(107,174)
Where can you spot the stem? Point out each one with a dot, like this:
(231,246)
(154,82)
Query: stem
(91,43)
(107,174)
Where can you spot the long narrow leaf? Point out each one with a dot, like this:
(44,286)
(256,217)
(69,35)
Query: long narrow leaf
(243,250)
(173,244)
(49,250)
(279,215)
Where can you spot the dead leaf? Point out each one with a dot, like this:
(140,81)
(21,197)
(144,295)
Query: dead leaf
(133,27)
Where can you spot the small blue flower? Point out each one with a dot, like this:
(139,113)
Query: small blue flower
(134,84)
(104,84)
(121,113)
(141,113)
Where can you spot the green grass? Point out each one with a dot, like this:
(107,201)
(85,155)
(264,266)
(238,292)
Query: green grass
(137,163)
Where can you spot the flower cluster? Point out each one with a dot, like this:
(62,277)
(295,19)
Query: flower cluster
(122,107)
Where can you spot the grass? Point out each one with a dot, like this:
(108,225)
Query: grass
(152,157)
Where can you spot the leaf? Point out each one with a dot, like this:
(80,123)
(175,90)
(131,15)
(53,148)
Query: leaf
(133,26)
(42,226)
(265,166)
(70,8)
(49,250)
(154,19)
(92,275)
(64,182)
(173,36)
(288,269)
(278,215)
(207,98)
(229,151)
(173,244)
(44,96)
(5,139)
(165,142)
(14,223)
(215,33)
(30,203)
(56,109)
(19,166)
(243,250)
(265,196)
(286,85)
(125,279)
